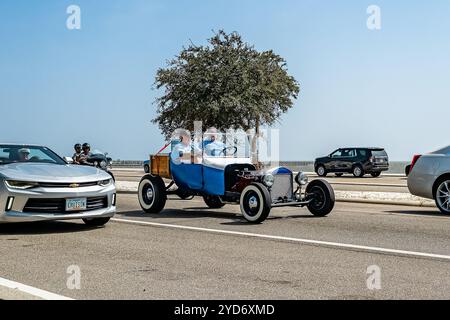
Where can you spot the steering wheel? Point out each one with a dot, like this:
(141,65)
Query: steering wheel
(225,151)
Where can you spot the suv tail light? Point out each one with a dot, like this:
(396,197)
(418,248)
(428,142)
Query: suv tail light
(414,160)
(372,159)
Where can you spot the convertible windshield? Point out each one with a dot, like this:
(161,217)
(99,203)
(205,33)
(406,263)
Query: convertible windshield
(28,154)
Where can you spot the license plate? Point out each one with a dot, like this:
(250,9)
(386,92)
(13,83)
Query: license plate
(76,204)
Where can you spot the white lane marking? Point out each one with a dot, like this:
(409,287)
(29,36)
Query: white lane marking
(288,239)
(31,290)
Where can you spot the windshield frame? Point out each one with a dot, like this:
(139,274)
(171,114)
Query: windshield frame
(58,160)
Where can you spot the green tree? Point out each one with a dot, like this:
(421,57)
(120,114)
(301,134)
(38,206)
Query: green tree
(226,84)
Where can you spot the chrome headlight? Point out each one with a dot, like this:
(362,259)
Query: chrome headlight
(301,178)
(103,164)
(21,185)
(105,183)
(268,180)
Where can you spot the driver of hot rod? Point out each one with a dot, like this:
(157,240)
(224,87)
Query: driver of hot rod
(212,145)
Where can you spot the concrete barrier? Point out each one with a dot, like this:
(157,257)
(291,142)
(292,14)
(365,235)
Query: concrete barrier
(396,167)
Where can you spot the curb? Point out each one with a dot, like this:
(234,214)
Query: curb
(389,202)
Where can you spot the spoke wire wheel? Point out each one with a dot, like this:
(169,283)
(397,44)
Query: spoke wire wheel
(443,197)
(255,205)
(322,197)
(319,198)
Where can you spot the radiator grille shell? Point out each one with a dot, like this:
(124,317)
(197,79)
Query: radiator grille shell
(282,187)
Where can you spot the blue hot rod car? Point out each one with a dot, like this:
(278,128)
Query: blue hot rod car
(229,179)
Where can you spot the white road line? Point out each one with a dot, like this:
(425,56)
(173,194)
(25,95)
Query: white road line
(31,290)
(288,239)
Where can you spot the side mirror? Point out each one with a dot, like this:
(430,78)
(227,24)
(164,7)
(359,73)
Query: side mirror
(69,160)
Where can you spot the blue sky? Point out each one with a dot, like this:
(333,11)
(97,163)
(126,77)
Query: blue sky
(385,88)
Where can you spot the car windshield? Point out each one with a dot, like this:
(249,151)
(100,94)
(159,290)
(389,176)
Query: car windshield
(28,154)
(186,148)
(219,145)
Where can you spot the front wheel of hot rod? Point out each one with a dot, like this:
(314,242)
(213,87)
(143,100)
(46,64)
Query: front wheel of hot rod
(255,203)
(152,194)
(323,198)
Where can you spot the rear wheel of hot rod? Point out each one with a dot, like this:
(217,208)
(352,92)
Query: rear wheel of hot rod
(152,194)
(255,203)
(323,197)
(213,202)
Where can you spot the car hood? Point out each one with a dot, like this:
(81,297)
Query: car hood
(41,172)
(321,159)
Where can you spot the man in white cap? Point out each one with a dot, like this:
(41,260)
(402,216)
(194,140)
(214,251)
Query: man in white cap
(183,152)
(24,154)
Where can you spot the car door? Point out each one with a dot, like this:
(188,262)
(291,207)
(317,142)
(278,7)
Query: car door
(335,160)
(342,163)
(350,159)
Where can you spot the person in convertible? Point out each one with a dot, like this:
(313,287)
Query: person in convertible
(212,146)
(185,152)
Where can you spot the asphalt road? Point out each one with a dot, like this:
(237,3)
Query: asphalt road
(190,252)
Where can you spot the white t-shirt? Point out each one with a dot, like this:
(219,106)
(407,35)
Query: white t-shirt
(180,150)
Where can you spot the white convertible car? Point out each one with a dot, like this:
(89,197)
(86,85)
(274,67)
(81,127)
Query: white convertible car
(430,178)
(36,184)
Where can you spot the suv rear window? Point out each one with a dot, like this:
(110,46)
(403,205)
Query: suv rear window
(379,153)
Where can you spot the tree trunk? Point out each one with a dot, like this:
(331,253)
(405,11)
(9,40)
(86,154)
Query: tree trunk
(255,152)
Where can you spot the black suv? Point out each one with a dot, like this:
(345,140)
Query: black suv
(359,161)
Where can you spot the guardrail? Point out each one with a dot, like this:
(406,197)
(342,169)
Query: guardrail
(396,167)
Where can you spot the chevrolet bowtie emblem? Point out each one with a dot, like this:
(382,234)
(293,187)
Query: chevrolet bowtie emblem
(74,185)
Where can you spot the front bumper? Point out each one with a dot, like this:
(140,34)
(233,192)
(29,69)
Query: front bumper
(21,197)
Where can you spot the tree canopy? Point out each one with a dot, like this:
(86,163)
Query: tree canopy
(226,84)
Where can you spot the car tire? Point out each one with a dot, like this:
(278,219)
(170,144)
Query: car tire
(213,202)
(358,171)
(147,168)
(321,171)
(183,195)
(339,174)
(407,170)
(255,203)
(96,222)
(323,198)
(112,175)
(375,174)
(441,195)
(152,194)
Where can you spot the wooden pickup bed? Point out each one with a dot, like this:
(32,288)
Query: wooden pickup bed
(159,165)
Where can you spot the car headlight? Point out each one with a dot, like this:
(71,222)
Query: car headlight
(268,180)
(301,178)
(105,183)
(21,185)
(103,164)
